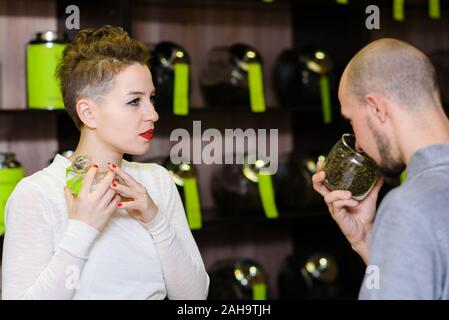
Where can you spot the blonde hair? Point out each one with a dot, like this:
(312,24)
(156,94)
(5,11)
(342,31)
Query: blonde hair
(91,61)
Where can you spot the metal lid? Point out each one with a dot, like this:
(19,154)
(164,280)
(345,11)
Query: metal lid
(317,60)
(81,164)
(253,165)
(7,156)
(169,53)
(321,267)
(181,171)
(8,159)
(242,55)
(248,272)
(50,36)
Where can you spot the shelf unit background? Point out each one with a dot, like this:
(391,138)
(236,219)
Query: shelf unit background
(199,26)
(33,139)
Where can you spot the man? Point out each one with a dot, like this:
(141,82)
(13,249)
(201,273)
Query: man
(389,93)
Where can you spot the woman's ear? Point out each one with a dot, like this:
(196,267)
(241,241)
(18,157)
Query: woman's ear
(377,105)
(86,112)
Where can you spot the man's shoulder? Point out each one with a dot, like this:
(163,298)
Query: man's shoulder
(426,190)
(421,200)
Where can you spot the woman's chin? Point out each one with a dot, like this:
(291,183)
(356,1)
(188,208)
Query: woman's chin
(140,151)
(136,149)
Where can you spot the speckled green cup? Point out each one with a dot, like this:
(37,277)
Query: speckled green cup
(347,169)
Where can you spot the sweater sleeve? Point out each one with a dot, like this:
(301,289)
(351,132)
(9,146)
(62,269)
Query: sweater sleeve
(32,268)
(183,268)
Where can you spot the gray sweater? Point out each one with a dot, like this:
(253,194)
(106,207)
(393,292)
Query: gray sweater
(409,256)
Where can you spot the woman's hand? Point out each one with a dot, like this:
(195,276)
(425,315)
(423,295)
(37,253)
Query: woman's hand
(140,205)
(93,207)
(355,218)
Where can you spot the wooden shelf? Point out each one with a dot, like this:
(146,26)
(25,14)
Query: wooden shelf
(192,111)
(201,3)
(42,112)
(211,217)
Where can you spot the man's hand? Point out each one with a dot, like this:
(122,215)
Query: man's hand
(355,218)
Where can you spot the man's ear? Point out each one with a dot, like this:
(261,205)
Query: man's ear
(86,112)
(377,105)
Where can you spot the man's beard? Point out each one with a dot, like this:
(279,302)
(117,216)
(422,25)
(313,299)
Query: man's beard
(389,167)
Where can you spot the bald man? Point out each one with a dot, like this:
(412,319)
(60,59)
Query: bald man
(389,93)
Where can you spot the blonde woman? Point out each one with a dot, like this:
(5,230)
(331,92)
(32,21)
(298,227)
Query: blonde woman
(128,237)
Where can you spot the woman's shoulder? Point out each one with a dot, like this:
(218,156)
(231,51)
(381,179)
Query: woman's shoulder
(38,184)
(28,198)
(45,185)
(37,196)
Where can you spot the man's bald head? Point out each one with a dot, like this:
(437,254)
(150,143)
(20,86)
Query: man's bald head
(395,69)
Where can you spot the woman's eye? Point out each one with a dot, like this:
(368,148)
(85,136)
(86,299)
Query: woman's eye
(134,102)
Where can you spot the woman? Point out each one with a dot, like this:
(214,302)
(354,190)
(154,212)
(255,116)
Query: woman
(128,237)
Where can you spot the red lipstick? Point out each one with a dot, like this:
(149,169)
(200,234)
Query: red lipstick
(147,134)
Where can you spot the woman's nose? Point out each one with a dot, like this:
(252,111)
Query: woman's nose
(154,116)
(151,114)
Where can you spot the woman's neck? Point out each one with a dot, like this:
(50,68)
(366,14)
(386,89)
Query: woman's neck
(100,154)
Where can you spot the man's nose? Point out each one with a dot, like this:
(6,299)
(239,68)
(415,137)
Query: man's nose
(358,148)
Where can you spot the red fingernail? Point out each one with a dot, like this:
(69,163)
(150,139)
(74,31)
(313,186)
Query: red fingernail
(114,166)
(114,184)
(95,165)
(119,204)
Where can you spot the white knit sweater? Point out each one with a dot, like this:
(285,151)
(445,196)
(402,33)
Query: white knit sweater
(45,252)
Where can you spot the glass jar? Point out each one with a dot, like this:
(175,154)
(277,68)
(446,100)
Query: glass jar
(293,180)
(76,172)
(238,279)
(11,172)
(42,57)
(180,172)
(235,186)
(165,58)
(224,80)
(347,169)
(297,75)
(312,276)
(185,177)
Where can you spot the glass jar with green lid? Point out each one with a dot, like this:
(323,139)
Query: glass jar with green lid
(11,172)
(42,57)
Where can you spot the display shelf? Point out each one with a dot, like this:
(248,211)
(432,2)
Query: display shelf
(39,112)
(306,109)
(199,3)
(212,216)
